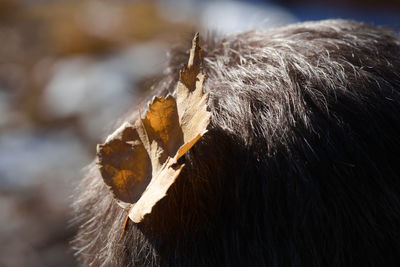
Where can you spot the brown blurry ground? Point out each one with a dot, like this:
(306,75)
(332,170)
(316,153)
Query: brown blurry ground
(66,69)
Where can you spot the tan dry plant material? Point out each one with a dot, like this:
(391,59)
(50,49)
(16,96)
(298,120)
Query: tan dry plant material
(139,161)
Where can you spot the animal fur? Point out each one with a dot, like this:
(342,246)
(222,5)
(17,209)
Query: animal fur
(300,167)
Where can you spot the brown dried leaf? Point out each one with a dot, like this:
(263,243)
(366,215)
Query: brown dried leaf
(139,162)
(156,190)
(124,163)
(189,73)
(162,125)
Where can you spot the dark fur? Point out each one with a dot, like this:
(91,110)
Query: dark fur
(301,166)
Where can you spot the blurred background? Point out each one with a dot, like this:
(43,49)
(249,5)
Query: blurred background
(69,69)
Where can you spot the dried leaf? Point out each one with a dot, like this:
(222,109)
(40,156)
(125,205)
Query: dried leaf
(139,162)
(188,74)
(124,163)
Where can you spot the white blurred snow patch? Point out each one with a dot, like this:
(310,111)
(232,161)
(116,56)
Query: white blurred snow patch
(100,91)
(27,158)
(226,17)
(233,17)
